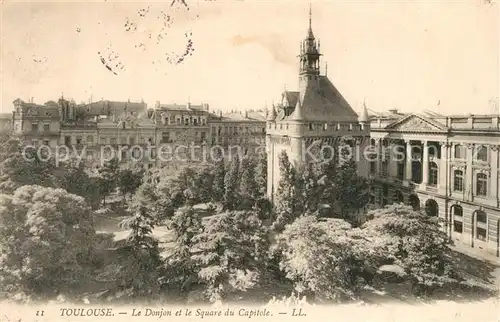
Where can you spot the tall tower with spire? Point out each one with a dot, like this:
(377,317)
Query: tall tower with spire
(309,53)
(313,120)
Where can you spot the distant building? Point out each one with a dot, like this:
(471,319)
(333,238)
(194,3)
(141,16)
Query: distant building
(243,129)
(182,130)
(314,117)
(131,131)
(450,169)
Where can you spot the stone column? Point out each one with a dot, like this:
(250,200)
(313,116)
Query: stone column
(443,170)
(469,175)
(393,166)
(494,172)
(408,168)
(425,163)
(378,144)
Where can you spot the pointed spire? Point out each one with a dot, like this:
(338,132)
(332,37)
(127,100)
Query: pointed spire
(297,113)
(364,114)
(272,114)
(310,33)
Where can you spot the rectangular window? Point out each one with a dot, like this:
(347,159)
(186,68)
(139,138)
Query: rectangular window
(458,181)
(46,127)
(481,233)
(112,141)
(67,140)
(46,142)
(132,140)
(79,140)
(103,140)
(481,184)
(458,226)
(34,127)
(482,154)
(373,167)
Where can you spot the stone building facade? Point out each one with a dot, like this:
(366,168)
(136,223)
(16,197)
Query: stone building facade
(239,132)
(313,118)
(447,166)
(130,131)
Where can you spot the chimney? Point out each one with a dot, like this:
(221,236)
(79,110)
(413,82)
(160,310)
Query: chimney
(393,111)
(220,113)
(246,114)
(157,105)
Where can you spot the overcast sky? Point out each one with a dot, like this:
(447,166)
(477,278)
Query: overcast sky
(408,55)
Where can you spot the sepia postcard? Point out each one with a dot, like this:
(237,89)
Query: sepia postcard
(189,160)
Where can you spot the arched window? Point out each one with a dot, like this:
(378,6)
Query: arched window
(459,152)
(481,184)
(458,180)
(482,153)
(433,174)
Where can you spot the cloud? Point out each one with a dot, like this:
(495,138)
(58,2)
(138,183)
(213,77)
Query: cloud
(273,43)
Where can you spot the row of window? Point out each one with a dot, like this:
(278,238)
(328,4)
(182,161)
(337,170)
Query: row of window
(481,183)
(112,140)
(479,225)
(481,187)
(480,153)
(165,136)
(186,121)
(244,140)
(35,127)
(324,126)
(234,130)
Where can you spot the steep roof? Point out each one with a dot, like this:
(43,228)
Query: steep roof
(320,100)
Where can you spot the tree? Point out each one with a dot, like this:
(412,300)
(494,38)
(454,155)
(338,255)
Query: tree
(180,272)
(231,184)
(24,166)
(321,259)
(140,270)
(261,174)
(46,241)
(200,186)
(108,176)
(351,190)
(249,190)
(308,188)
(218,178)
(413,241)
(74,178)
(130,179)
(286,197)
(230,253)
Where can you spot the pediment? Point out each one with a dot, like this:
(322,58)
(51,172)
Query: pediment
(416,123)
